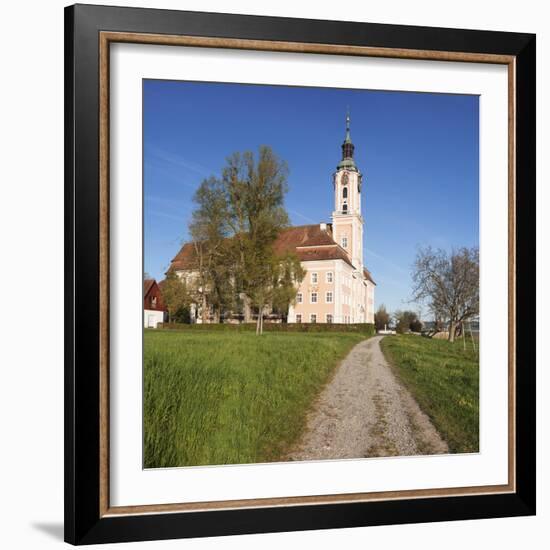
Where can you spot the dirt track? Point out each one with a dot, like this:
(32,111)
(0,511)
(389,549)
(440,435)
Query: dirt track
(365,412)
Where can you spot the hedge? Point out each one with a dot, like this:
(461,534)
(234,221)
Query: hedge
(363,328)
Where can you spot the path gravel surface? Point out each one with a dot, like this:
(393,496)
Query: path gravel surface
(364,411)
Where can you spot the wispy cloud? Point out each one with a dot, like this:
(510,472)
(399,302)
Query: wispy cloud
(167,215)
(387,261)
(177,160)
(168,203)
(300,215)
(160,167)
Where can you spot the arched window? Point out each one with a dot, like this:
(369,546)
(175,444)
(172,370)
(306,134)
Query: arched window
(345,193)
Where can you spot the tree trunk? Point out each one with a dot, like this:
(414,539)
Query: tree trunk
(261,321)
(258,323)
(203,312)
(247,314)
(452,330)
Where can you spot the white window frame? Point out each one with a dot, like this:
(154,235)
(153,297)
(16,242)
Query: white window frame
(311,300)
(299,298)
(298,317)
(344,241)
(329,277)
(331,318)
(314,277)
(311,316)
(327,293)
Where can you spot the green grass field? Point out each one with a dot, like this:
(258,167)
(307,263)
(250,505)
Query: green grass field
(231,398)
(444,379)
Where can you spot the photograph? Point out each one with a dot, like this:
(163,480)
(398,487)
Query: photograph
(310,273)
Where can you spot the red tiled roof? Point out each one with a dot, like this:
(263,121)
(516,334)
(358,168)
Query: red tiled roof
(333,252)
(147,284)
(368,276)
(308,242)
(302,235)
(184,258)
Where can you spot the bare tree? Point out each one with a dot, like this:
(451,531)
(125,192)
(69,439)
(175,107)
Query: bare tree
(449,283)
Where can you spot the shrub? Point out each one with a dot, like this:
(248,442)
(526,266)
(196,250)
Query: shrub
(360,328)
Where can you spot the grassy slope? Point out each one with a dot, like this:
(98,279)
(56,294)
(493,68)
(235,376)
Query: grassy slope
(444,379)
(216,398)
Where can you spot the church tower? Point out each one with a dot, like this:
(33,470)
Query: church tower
(347,222)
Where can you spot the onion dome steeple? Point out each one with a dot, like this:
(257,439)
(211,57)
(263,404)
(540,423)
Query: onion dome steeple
(347,162)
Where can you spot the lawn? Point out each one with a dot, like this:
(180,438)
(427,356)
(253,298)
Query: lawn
(444,379)
(231,398)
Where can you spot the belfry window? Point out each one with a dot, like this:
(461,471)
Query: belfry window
(345,193)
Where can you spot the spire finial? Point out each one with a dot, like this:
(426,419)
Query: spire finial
(347,161)
(348,137)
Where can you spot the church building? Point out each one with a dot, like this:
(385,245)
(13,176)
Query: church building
(337,287)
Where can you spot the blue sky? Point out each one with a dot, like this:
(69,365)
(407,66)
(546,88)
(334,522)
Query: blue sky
(418,152)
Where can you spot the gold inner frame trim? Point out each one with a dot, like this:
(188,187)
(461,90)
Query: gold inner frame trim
(105,39)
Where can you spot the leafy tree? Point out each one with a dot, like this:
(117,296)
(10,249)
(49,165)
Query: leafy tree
(174,294)
(381,318)
(183,315)
(209,231)
(237,220)
(287,273)
(406,321)
(254,192)
(449,282)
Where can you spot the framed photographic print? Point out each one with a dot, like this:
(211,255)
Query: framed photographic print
(299,274)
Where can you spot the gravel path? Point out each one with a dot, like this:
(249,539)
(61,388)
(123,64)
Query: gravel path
(364,412)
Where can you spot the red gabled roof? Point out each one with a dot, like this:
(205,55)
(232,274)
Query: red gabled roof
(184,258)
(152,295)
(308,242)
(302,235)
(147,285)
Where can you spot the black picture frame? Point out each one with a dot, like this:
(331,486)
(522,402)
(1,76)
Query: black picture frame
(83,521)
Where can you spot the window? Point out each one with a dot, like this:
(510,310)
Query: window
(344,242)
(313,317)
(154,301)
(344,208)
(314,278)
(328,297)
(329,277)
(345,193)
(314,297)
(329,317)
(298,318)
(299,298)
